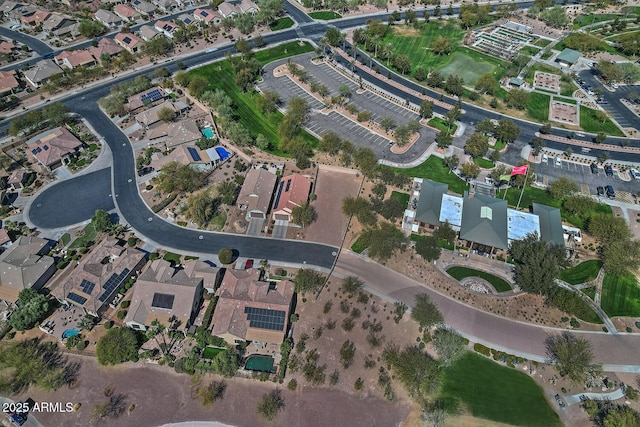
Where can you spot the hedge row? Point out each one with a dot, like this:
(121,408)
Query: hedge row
(163,204)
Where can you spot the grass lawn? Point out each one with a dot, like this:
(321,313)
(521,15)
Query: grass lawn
(211,352)
(494,392)
(542,42)
(441,125)
(484,163)
(282,51)
(538,107)
(581,273)
(281,24)
(172,257)
(88,236)
(530,50)
(577,307)
(460,273)
(547,55)
(590,292)
(434,169)
(620,296)
(325,15)
(444,244)
(566,100)
(467,63)
(218,221)
(581,21)
(403,198)
(359,246)
(590,123)
(567,89)
(65,239)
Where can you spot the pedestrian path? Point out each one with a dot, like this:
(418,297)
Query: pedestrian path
(577,398)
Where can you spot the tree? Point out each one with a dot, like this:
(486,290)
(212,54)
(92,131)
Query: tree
(383,241)
(445,232)
(435,79)
(572,356)
(379,190)
(333,36)
(270,404)
(402,63)
(56,114)
(562,187)
(600,138)
(387,123)
(166,114)
(487,83)
(452,116)
(227,192)
(243,46)
(537,264)
(330,142)
(425,312)
(101,221)
(118,345)
(359,207)
(402,135)
(454,85)
(427,247)
(366,160)
(420,74)
(303,214)
(351,284)
(452,162)
(608,228)
(269,101)
(157,46)
(201,208)
(32,308)
(197,86)
(441,46)
(177,177)
(517,98)
(347,351)
(621,258)
(214,391)
(470,170)
(507,130)
(449,345)
(226,363)
(537,143)
(308,280)
(555,17)
(426,109)
(579,205)
(444,139)
(90,29)
(297,111)
(225,256)
(477,145)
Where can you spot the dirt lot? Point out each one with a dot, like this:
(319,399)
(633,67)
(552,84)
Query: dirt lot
(332,186)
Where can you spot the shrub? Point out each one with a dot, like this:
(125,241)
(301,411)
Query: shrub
(82,344)
(122,314)
(163,204)
(108,324)
(225,256)
(292,384)
(479,348)
(125,304)
(574,323)
(132,241)
(62,264)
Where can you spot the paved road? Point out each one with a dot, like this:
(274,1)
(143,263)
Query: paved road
(40,47)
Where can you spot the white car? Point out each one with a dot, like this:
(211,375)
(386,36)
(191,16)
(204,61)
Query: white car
(545,158)
(634,173)
(615,85)
(558,161)
(15,27)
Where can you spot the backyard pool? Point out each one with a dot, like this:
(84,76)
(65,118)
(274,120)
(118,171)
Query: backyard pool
(224,154)
(70,333)
(260,364)
(208,132)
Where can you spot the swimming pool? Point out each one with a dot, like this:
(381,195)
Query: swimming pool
(260,364)
(70,333)
(208,132)
(224,154)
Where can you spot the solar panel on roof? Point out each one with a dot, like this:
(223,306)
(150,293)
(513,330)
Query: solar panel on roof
(162,300)
(204,13)
(127,40)
(46,147)
(288,186)
(34,151)
(87,286)
(194,154)
(265,319)
(114,281)
(76,298)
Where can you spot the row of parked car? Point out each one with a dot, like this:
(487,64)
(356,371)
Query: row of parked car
(608,190)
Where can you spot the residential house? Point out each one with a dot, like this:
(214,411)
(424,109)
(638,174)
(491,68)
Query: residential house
(147,32)
(94,283)
(127,13)
(227,9)
(106,48)
(17,14)
(186,155)
(58,24)
(54,148)
(8,7)
(166,5)
(150,117)
(256,193)
(18,178)
(293,191)
(248,6)
(25,264)
(169,294)
(132,43)
(165,27)
(249,309)
(5,239)
(8,82)
(143,99)
(177,133)
(7,48)
(186,19)
(41,72)
(144,7)
(208,16)
(107,18)
(35,19)
(75,58)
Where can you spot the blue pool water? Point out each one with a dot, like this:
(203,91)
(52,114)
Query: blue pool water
(224,154)
(207,132)
(70,333)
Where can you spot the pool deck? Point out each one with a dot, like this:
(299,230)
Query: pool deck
(62,319)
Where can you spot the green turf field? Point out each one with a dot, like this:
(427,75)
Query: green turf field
(538,107)
(281,24)
(620,296)
(403,198)
(484,163)
(325,15)
(434,169)
(590,123)
(494,392)
(466,67)
(584,272)
(460,273)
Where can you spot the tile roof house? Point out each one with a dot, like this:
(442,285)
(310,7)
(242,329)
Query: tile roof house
(293,191)
(256,193)
(6,47)
(54,147)
(186,19)
(35,19)
(178,133)
(208,16)
(9,6)
(250,309)
(170,295)
(143,7)
(75,58)
(248,6)
(18,178)
(93,284)
(127,13)
(147,32)
(57,21)
(41,72)
(150,117)
(227,9)
(130,42)
(106,46)
(107,18)
(145,98)
(166,5)
(5,239)
(25,265)
(165,27)
(185,155)
(8,82)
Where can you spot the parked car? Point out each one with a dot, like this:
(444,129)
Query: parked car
(144,171)
(600,190)
(248,264)
(608,170)
(610,192)
(614,85)
(634,173)
(545,158)
(558,161)
(594,168)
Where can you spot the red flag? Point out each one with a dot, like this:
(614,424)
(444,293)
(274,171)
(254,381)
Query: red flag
(519,170)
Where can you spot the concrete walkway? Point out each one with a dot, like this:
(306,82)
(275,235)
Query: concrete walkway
(577,398)
(599,311)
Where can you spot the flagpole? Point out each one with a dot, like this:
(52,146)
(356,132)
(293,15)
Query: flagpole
(523,186)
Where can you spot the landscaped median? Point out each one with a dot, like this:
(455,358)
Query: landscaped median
(459,273)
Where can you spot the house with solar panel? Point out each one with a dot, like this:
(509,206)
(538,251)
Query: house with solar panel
(95,282)
(172,295)
(132,43)
(25,264)
(292,191)
(166,27)
(54,148)
(139,100)
(249,309)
